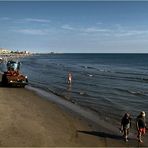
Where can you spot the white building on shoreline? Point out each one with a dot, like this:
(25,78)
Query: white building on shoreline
(4,51)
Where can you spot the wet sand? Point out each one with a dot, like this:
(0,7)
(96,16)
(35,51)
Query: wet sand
(30,120)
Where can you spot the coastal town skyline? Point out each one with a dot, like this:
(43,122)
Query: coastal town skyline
(75,26)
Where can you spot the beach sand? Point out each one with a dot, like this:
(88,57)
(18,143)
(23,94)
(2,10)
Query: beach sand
(29,120)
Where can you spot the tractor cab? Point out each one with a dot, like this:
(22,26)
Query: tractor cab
(13,66)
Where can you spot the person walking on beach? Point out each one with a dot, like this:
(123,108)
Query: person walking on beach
(141,126)
(125,125)
(69,78)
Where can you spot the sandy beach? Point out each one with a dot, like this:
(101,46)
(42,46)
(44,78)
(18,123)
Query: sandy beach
(27,119)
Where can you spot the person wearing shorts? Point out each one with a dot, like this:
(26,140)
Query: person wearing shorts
(125,125)
(141,126)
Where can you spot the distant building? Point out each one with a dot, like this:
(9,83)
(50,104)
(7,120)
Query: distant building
(4,51)
(26,52)
(23,52)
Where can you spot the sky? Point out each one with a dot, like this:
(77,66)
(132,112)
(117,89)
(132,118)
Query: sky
(74,26)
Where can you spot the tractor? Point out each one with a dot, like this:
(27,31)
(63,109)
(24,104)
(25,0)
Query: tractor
(13,77)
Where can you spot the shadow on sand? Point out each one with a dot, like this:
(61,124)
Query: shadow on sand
(9,86)
(102,134)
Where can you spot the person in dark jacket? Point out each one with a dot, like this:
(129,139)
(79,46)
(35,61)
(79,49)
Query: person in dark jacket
(141,126)
(125,125)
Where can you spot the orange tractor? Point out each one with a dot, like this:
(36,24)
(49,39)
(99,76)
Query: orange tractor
(13,77)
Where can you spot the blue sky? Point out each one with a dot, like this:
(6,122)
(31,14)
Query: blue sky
(75,26)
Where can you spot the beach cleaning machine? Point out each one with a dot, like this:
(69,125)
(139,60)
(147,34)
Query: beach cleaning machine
(13,77)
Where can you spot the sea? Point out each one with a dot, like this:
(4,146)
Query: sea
(108,85)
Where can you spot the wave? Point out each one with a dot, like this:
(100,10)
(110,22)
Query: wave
(137,93)
(119,75)
(131,73)
(125,78)
(87,67)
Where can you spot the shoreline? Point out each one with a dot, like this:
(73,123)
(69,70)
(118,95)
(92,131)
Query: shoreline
(69,106)
(6,57)
(30,119)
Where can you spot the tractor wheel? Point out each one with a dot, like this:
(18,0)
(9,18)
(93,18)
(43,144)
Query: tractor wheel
(4,80)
